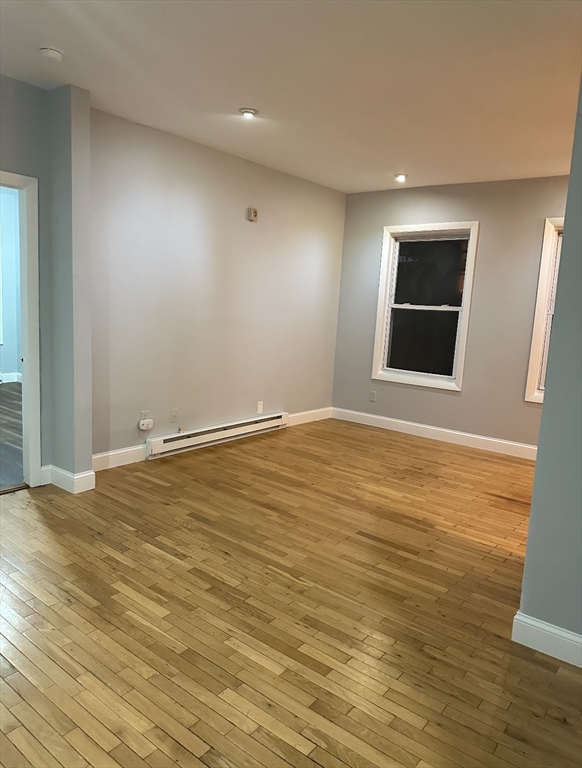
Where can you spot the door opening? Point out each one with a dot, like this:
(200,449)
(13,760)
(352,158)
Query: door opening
(11,465)
(20,459)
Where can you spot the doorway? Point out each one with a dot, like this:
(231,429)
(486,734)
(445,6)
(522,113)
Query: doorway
(11,466)
(20,459)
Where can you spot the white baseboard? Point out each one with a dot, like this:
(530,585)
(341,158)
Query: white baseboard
(547,638)
(134,453)
(304,416)
(7,378)
(73,483)
(45,474)
(118,458)
(494,444)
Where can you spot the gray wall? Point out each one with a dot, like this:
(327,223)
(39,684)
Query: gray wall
(45,134)
(512,217)
(69,142)
(552,584)
(24,150)
(193,307)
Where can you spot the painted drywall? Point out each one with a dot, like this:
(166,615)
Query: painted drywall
(194,307)
(511,216)
(45,134)
(10,365)
(69,132)
(24,150)
(552,585)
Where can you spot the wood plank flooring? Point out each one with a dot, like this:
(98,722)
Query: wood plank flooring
(11,472)
(331,595)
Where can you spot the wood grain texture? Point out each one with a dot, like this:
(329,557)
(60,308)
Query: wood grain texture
(11,472)
(326,596)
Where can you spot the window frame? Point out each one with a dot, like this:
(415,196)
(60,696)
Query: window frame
(553,228)
(387,286)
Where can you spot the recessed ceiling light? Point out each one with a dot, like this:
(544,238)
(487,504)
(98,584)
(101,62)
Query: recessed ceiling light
(51,53)
(248,112)
(401,177)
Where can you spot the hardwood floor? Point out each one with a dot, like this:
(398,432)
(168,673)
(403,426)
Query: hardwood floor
(331,595)
(11,472)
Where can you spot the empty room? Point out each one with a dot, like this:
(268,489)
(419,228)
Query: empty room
(290,384)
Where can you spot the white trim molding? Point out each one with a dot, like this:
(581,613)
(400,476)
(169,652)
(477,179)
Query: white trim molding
(73,483)
(547,638)
(549,265)
(305,416)
(135,453)
(111,459)
(484,443)
(393,236)
(8,378)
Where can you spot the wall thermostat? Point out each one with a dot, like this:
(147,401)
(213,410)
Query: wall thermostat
(252,214)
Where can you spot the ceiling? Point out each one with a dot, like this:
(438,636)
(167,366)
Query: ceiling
(350,92)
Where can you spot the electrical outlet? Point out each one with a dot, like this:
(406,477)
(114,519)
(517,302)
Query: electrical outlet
(372,395)
(143,415)
(174,415)
(260,406)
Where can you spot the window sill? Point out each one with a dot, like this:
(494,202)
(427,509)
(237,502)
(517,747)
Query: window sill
(535,397)
(417,379)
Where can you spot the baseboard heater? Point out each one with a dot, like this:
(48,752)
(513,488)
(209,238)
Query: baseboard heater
(198,438)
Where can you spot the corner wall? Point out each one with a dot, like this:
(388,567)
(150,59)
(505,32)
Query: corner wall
(550,617)
(511,216)
(45,135)
(24,150)
(69,132)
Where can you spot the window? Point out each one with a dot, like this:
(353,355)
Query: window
(426,279)
(544,312)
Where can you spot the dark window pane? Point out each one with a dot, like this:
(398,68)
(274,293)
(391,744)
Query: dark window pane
(431,272)
(423,340)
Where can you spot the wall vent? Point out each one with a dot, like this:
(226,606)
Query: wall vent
(198,438)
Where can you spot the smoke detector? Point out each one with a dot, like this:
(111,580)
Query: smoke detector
(51,53)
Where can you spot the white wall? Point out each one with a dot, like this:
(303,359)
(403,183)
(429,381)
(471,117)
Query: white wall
(10,365)
(194,307)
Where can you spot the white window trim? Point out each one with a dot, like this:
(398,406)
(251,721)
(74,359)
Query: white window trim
(393,235)
(552,230)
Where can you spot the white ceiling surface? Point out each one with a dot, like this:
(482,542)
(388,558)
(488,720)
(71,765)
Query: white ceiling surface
(350,92)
